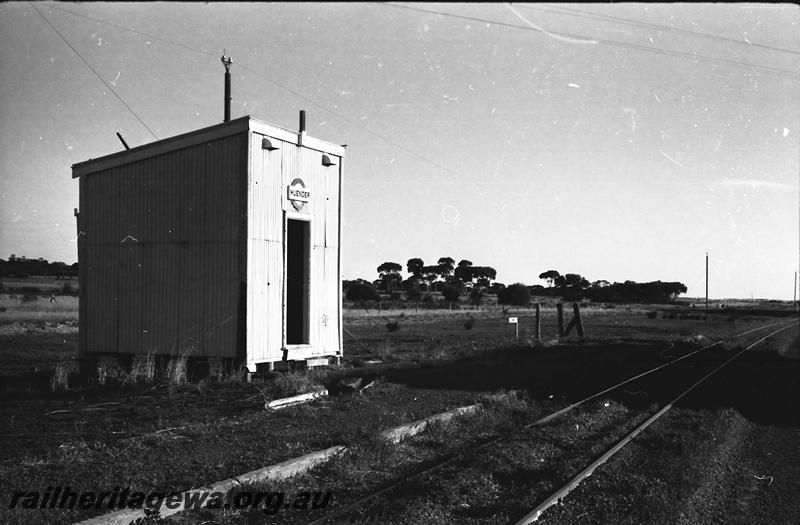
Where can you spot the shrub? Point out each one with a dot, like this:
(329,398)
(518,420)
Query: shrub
(450,293)
(516,295)
(392,326)
(469,323)
(362,292)
(652,315)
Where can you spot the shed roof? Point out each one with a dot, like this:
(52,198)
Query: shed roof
(239,125)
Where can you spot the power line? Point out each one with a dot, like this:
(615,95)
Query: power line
(131,30)
(94,71)
(680,54)
(638,23)
(281,86)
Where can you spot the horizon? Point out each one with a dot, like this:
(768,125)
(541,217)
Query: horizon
(525,137)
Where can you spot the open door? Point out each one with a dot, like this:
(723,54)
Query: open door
(298,296)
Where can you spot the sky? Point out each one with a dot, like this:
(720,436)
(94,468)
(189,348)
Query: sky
(620,142)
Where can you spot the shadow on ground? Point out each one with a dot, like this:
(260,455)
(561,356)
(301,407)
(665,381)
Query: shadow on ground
(762,385)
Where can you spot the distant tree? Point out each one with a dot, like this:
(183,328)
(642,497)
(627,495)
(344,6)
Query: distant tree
(362,292)
(430,274)
(496,287)
(446,265)
(484,275)
(537,289)
(575,279)
(550,276)
(463,272)
(451,294)
(516,294)
(414,267)
(413,294)
(389,273)
(476,296)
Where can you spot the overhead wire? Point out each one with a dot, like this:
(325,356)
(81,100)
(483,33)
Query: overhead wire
(569,11)
(93,70)
(244,66)
(367,130)
(794,75)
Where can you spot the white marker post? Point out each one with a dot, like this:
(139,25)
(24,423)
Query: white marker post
(513,320)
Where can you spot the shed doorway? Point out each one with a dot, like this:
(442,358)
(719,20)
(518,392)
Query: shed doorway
(298,262)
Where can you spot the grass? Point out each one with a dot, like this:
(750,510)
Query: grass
(151,437)
(175,373)
(18,314)
(60,379)
(294,383)
(143,369)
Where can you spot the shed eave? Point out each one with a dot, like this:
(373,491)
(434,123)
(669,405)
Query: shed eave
(271,130)
(158,147)
(192,138)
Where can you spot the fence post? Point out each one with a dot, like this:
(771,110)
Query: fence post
(560,311)
(577,320)
(538,326)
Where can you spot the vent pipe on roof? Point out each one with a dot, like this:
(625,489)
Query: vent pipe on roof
(302,130)
(226,61)
(122,140)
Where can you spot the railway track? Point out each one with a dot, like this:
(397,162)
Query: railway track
(599,440)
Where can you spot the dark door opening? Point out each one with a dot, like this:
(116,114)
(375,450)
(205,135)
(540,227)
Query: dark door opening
(298,261)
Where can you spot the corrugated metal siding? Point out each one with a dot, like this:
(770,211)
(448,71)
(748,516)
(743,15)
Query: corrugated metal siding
(323,183)
(265,249)
(162,251)
(270,175)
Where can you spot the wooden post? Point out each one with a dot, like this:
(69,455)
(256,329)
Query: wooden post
(560,311)
(538,326)
(577,319)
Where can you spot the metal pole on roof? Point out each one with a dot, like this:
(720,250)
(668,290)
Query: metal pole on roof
(226,61)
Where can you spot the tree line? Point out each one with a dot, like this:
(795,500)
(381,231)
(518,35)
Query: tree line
(452,281)
(22,268)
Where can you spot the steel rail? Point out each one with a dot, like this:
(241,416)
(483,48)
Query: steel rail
(586,472)
(489,441)
(566,409)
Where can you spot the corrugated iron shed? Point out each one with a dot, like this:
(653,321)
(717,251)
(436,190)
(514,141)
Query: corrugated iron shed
(182,245)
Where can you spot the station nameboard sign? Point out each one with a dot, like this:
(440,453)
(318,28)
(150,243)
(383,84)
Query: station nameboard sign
(298,194)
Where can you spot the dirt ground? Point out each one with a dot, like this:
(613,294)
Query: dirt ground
(175,437)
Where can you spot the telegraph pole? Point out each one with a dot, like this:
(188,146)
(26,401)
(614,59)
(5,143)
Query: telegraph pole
(706,282)
(794,301)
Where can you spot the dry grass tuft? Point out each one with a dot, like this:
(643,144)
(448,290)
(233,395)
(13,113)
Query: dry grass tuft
(143,369)
(175,374)
(385,349)
(60,379)
(294,383)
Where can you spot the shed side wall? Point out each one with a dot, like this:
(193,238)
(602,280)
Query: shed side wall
(161,251)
